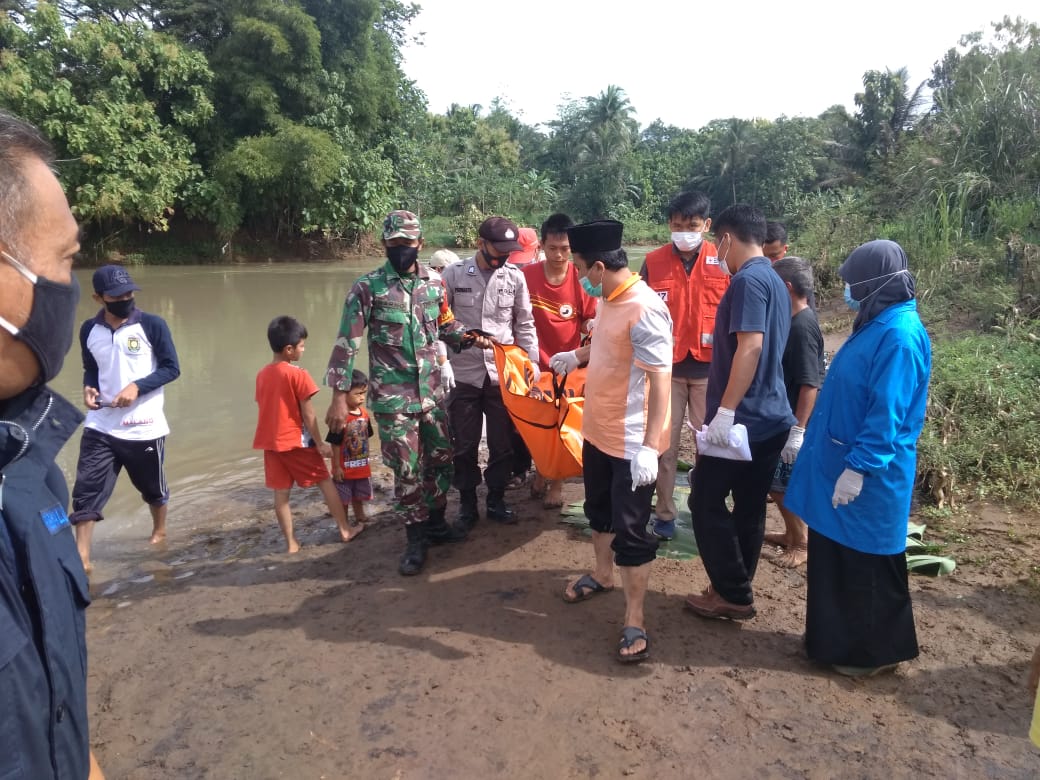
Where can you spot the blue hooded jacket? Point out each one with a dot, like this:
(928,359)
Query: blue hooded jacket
(868,418)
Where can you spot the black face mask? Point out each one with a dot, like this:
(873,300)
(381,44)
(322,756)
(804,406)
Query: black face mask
(48,331)
(402,258)
(120,309)
(495,262)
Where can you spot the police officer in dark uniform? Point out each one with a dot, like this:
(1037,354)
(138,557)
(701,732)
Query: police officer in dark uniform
(43,589)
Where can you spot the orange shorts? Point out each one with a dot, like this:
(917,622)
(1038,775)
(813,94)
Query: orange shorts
(302,466)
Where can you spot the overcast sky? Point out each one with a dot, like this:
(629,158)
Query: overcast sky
(685,63)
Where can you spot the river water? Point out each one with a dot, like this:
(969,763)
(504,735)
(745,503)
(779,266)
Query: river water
(218,316)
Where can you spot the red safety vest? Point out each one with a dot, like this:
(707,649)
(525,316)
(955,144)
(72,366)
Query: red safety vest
(692,300)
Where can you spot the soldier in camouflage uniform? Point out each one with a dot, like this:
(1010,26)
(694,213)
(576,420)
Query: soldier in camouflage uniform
(405,310)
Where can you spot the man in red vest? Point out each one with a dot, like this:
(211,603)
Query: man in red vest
(686,274)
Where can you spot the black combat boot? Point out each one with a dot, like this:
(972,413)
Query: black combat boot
(468,514)
(438,531)
(415,552)
(497,509)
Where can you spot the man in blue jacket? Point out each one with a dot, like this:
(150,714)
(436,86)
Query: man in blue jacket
(43,589)
(128,356)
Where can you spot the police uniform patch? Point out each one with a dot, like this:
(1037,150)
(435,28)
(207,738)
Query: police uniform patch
(133,344)
(55,518)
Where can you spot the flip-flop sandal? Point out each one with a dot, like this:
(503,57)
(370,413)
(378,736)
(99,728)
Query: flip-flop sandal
(585,588)
(629,636)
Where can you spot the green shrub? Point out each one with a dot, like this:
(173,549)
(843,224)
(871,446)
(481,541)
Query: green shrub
(983,425)
(438,232)
(465,226)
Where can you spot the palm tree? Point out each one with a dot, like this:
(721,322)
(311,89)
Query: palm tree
(737,151)
(610,128)
(887,109)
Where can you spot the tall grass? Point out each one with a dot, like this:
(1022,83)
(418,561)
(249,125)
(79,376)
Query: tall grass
(983,426)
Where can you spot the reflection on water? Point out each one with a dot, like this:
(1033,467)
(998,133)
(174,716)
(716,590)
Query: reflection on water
(218,316)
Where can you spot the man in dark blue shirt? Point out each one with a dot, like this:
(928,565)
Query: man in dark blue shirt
(745,386)
(43,589)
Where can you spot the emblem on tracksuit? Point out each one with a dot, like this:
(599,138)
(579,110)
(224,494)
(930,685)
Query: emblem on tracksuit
(133,344)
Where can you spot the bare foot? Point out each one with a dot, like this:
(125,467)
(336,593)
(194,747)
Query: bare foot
(355,530)
(293,546)
(88,567)
(793,557)
(554,496)
(158,537)
(538,486)
(780,540)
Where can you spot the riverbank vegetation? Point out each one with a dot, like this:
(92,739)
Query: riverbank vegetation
(211,130)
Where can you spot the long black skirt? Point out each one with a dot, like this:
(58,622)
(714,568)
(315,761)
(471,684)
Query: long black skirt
(858,610)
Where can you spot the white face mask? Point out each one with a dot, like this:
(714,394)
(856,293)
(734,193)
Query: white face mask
(686,240)
(722,257)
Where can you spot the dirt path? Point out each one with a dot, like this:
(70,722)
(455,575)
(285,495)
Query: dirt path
(330,665)
(228,660)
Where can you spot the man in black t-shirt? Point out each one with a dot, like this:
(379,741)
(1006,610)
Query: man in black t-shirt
(803,374)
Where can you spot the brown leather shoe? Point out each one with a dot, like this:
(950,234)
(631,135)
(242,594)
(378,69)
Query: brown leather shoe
(711,605)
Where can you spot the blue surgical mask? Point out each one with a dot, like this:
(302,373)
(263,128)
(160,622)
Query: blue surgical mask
(851,302)
(594,291)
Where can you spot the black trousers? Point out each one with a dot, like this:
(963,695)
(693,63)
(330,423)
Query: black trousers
(613,507)
(730,542)
(101,458)
(467,409)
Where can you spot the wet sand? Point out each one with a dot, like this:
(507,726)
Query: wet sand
(221,657)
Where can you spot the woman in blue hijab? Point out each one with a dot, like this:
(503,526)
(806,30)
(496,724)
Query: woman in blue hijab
(854,476)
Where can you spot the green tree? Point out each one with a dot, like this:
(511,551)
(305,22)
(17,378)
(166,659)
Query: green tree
(274,179)
(886,109)
(668,158)
(591,148)
(118,101)
(987,107)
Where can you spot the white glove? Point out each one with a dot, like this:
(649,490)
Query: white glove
(447,376)
(536,373)
(719,427)
(644,467)
(794,443)
(564,362)
(848,486)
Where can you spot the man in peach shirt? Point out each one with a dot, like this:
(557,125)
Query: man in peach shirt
(625,423)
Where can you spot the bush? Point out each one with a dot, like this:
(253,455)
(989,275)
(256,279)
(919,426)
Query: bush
(466,225)
(983,425)
(825,227)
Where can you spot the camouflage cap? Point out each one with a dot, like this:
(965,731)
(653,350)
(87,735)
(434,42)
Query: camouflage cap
(401,224)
